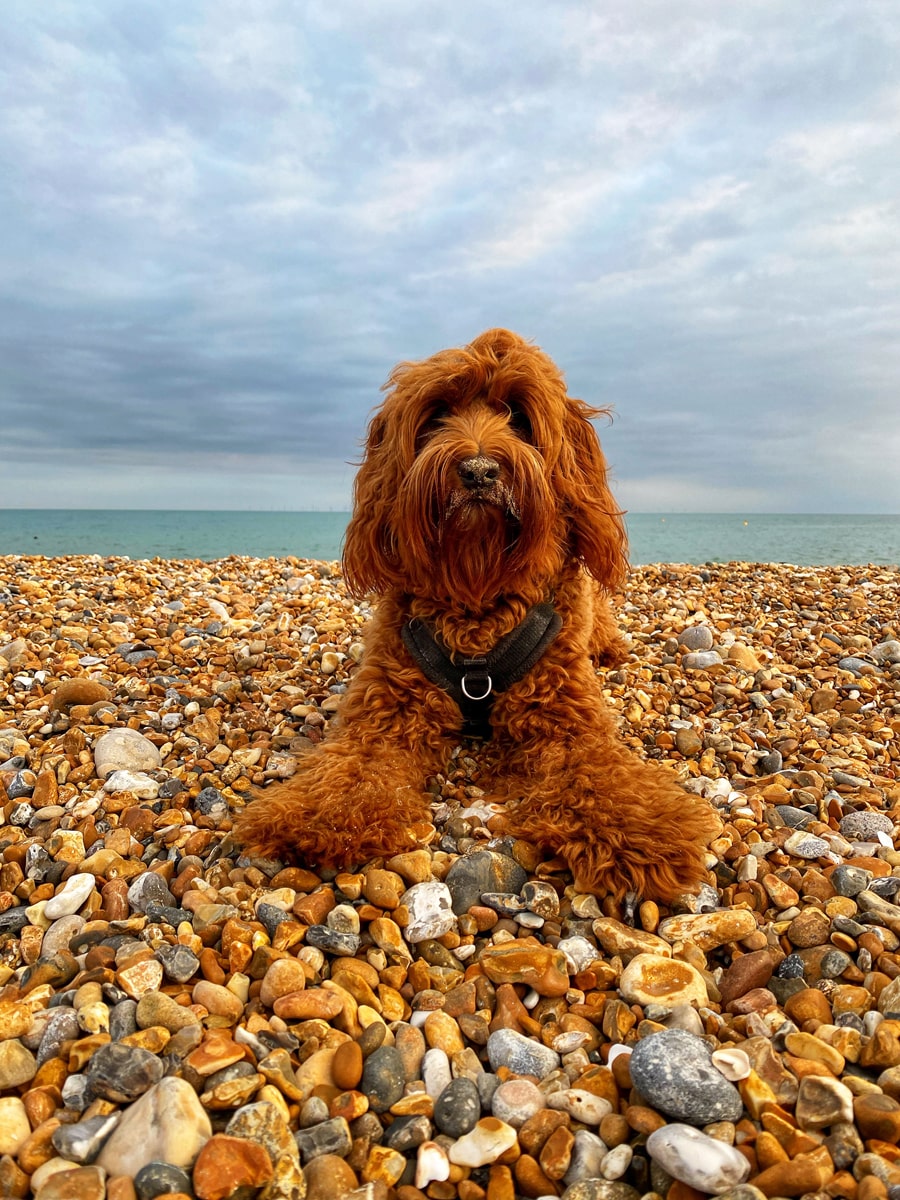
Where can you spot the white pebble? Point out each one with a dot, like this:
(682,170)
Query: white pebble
(580,1105)
(432,1164)
(694,1158)
(732,1062)
(617,1162)
(70,898)
(484,1144)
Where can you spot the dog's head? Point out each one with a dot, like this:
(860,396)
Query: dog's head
(481,472)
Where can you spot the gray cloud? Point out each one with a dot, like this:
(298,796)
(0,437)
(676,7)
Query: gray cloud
(224,223)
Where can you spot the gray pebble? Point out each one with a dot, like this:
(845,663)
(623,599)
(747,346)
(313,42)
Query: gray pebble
(21,784)
(458,1107)
(62,1026)
(865,824)
(849,881)
(523,1055)
(483,871)
(328,1137)
(179,962)
(834,963)
(122,1073)
(406,1133)
(148,889)
(123,1019)
(701,660)
(83,1141)
(674,1072)
(332,941)
(696,637)
(383,1078)
(856,666)
(77,1092)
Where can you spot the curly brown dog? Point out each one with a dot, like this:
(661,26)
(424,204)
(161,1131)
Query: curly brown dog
(483,521)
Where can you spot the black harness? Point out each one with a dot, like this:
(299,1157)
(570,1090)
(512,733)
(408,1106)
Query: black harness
(473,682)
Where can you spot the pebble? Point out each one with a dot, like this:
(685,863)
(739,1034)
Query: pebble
(517,1101)
(484,1144)
(520,1054)
(166,1124)
(479,872)
(702,1162)
(430,907)
(458,1107)
(652,979)
(69,899)
(125,750)
(383,1078)
(673,1070)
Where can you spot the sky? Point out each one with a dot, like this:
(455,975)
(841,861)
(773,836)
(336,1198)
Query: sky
(222,223)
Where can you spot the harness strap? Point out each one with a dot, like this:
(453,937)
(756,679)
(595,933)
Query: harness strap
(474,681)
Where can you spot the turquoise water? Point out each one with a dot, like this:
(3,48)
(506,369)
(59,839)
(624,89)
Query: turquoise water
(805,539)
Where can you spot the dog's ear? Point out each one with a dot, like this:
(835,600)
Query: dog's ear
(595,529)
(369,563)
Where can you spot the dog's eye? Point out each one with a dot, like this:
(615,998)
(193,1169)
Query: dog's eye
(432,423)
(519,421)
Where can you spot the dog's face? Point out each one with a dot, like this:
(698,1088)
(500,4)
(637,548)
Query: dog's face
(480,473)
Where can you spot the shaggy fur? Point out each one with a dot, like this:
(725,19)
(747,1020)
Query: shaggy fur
(483,492)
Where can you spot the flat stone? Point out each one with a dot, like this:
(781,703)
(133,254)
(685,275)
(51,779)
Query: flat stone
(484,1144)
(457,1108)
(124,750)
(70,897)
(865,824)
(673,1070)
(226,1166)
(483,871)
(709,930)
(167,1124)
(520,1054)
(694,1158)
(652,979)
(701,660)
(540,967)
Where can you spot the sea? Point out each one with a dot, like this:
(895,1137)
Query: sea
(805,539)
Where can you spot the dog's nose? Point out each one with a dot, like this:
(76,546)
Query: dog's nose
(478,472)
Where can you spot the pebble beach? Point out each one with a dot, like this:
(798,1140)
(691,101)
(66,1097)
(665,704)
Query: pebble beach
(178,1020)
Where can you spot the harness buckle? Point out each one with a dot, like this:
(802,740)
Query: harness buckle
(479,675)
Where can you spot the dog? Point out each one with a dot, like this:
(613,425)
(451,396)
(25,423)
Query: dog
(484,524)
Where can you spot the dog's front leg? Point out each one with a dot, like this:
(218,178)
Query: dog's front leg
(362,793)
(621,824)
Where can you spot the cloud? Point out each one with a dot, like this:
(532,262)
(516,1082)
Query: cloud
(223,223)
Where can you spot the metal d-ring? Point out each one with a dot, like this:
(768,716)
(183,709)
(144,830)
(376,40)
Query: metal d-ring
(468,695)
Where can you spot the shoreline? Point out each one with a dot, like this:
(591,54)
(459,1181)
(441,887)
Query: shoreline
(128,918)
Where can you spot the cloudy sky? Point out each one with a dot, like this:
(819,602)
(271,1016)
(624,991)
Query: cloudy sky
(222,222)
